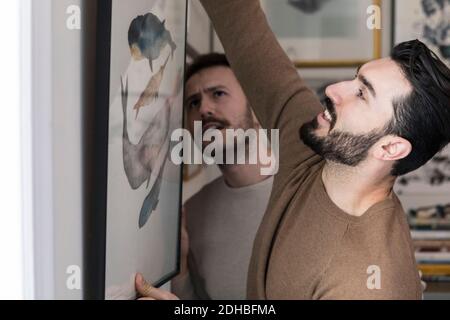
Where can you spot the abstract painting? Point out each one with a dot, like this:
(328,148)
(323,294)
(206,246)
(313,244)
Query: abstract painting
(141,72)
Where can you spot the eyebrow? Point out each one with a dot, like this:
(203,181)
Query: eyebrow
(366,82)
(210,89)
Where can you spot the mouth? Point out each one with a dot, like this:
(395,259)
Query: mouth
(327,117)
(323,121)
(213,126)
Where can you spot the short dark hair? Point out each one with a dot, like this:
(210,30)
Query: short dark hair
(206,61)
(423,116)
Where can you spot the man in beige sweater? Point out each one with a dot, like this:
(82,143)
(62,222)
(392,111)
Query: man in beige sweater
(334,229)
(221,220)
(223,217)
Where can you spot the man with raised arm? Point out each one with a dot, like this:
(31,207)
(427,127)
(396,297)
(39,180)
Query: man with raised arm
(334,228)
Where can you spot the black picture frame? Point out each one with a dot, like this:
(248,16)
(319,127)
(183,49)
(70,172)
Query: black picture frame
(96,220)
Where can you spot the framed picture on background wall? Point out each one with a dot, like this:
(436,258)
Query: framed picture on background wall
(325,33)
(135,223)
(426,20)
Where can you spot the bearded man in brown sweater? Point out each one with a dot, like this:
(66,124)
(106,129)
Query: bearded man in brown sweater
(334,228)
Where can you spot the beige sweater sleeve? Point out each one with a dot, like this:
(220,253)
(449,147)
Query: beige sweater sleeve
(271,82)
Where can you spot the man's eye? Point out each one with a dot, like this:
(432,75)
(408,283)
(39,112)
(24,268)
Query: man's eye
(360,94)
(219,94)
(194,104)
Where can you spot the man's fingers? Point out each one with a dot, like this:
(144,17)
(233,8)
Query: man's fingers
(142,287)
(160,294)
(150,292)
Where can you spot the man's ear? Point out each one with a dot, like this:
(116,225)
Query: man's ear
(392,148)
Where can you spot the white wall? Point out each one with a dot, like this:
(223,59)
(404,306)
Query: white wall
(11,220)
(57,103)
(40,177)
(67,107)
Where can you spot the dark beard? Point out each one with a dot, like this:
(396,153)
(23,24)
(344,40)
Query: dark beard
(340,147)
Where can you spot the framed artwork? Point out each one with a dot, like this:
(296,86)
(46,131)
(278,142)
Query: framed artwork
(135,224)
(324,33)
(426,20)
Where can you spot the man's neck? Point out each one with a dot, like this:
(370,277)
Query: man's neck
(242,175)
(355,190)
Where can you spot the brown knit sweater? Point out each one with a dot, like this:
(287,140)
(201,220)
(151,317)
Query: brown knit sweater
(306,247)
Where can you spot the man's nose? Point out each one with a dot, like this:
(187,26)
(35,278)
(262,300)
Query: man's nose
(207,108)
(339,91)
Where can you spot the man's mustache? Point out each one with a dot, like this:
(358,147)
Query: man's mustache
(218,122)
